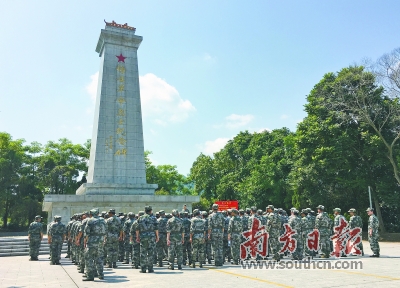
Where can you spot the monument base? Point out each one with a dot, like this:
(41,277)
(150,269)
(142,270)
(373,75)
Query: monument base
(68,205)
(116,189)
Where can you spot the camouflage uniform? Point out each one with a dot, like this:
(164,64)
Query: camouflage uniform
(35,233)
(135,245)
(127,244)
(227,249)
(94,233)
(121,244)
(74,248)
(69,237)
(216,224)
(322,223)
(186,247)
(197,231)
(356,222)
(114,229)
(175,229)
(81,249)
(308,225)
(274,230)
(162,241)
(57,232)
(296,224)
(235,229)
(373,223)
(147,226)
(207,244)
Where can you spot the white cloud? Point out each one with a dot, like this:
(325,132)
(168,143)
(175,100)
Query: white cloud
(162,101)
(236,121)
(91,88)
(210,147)
(264,129)
(208,58)
(284,116)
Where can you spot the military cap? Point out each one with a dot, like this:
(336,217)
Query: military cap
(204,213)
(215,206)
(308,210)
(295,212)
(320,207)
(337,210)
(352,210)
(312,211)
(241,210)
(270,207)
(57,217)
(248,210)
(235,211)
(130,214)
(121,214)
(370,209)
(196,212)
(174,212)
(141,213)
(148,209)
(303,211)
(85,213)
(157,213)
(293,208)
(224,212)
(111,211)
(161,212)
(38,217)
(280,209)
(185,213)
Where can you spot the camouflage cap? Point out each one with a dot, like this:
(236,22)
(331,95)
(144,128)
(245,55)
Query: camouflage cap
(174,212)
(157,213)
(337,210)
(162,212)
(352,210)
(241,210)
(94,211)
(253,209)
(38,217)
(271,207)
(111,211)
(148,209)
(204,213)
(235,211)
(57,217)
(121,214)
(85,213)
(293,208)
(370,209)
(308,210)
(248,210)
(196,212)
(185,213)
(303,211)
(215,206)
(131,214)
(320,207)
(295,211)
(141,213)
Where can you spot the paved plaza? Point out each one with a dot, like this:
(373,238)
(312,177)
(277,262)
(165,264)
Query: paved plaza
(380,272)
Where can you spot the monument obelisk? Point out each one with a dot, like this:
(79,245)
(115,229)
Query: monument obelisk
(116,164)
(117,173)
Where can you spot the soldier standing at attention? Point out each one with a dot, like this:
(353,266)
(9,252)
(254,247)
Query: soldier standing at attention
(56,237)
(356,222)
(197,238)
(216,224)
(274,230)
(185,209)
(235,230)
(94,233)
(295,223)
(69,240)
(373,233)
(126,232)
(114,234)
(121,247)
(207,245)
(135,245)
(78,241)
(162,242)
(186,247)
(322,224)
(35,237)
(147,236)
(175,240)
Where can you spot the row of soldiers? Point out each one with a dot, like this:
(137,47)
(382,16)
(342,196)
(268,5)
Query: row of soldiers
(148,239)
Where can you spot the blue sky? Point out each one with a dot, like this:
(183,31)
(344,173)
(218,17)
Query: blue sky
(209,69)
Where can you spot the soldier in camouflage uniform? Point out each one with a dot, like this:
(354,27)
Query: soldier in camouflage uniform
(207,244)
(356,222)
(78,241)
(114,235)
(197,238)
(322,224)
(74,233)
(121,247)
(126,235)
(147,236)
(373,232)
(274,230)
(175,240)
(295,223)
(162,242)
(186,247)
(308,225)
(216,225)
(56,236)
(227,251)
(94,233)
(35,237)
(69,239)
(235,229)
(135,245)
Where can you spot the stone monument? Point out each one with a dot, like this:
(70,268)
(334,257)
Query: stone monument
(117,173)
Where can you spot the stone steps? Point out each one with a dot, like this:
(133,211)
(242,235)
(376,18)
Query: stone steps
(20,247)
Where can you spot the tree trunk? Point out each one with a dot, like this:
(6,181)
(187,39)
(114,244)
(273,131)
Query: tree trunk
(6,212)
(379,215)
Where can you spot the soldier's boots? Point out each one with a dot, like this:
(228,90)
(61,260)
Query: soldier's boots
(151,270)
(209,261)
(375,255)
(104,263)
(88,279)
(142,270)
(136,266)
(160,264)
(101,277)
(81,270)
(193,265)
(67,256)
(109,265)
(179,267)
(125,262)
(201,265)
(171,267)
(57,263)
(114,265)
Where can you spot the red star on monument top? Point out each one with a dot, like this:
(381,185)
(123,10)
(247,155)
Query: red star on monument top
(121,58)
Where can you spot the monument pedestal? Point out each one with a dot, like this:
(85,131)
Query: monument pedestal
(116,189)
(68,205)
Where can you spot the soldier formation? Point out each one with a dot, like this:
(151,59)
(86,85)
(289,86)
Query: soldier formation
(146,239)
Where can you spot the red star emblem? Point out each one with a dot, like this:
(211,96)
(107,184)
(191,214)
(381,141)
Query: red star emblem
(121,58)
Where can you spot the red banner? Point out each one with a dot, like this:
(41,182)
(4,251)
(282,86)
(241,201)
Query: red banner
(225,205)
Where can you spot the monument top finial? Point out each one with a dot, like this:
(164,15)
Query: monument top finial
(123,26)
